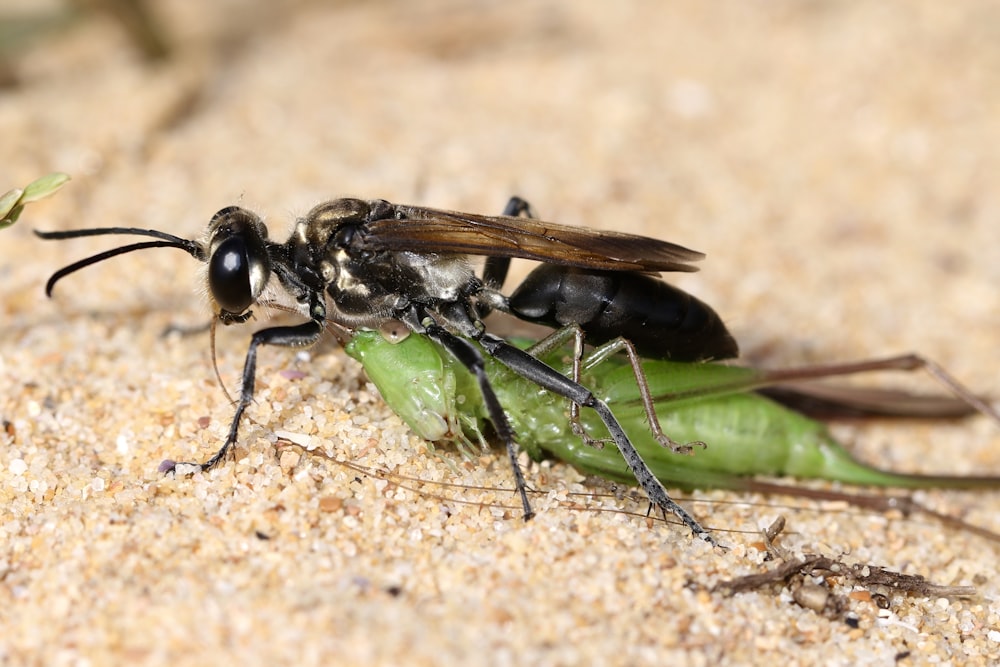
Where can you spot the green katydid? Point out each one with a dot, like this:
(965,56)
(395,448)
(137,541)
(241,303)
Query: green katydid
(747,433)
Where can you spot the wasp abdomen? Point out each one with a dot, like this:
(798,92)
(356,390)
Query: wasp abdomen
(661,320)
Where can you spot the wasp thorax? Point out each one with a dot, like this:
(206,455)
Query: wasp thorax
(238,265)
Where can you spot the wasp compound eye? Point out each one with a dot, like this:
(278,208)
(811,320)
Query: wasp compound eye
(229,275)
(238,264)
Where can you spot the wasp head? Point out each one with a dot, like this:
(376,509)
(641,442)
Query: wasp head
(238,262)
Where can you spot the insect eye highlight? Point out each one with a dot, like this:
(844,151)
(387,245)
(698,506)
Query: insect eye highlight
(229,275)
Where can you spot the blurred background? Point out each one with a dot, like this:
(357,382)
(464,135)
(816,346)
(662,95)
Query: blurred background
(852,138)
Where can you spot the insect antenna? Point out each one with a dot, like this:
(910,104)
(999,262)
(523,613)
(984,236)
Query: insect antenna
(215,361)
(193,248)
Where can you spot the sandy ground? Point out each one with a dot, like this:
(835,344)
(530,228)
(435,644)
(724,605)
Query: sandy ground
(836,161)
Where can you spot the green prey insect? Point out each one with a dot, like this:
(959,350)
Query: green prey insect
(748,434)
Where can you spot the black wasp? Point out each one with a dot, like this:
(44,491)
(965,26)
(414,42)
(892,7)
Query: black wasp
(378,261)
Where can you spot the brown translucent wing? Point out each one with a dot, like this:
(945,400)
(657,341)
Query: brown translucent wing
(825,401)
(430,230)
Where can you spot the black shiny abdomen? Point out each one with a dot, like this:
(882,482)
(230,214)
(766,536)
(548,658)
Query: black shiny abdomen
(662,321)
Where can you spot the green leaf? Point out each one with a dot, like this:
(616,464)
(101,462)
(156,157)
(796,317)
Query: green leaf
(44,186)
(12,202)
(8,201)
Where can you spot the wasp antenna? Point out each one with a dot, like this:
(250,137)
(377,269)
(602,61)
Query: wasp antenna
(108,231)
(167,241)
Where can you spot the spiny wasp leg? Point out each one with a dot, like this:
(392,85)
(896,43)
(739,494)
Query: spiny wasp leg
(301,335)
(535,370)
(470,357)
